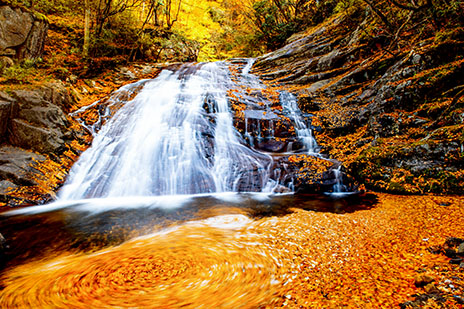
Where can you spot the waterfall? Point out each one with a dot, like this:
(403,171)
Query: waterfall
(305,135)
(246,69)
(290,107)
(176,136)
(302,129)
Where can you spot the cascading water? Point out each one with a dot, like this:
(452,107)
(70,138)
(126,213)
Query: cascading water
(339,187)
(305,134)
(290,108)
(157,143)
(164,142)
(302,130)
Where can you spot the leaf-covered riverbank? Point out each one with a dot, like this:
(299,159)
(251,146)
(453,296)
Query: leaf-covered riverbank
(367,258)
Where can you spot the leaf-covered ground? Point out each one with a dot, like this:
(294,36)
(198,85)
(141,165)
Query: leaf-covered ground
(366,259)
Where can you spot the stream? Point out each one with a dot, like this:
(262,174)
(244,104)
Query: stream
(159,211)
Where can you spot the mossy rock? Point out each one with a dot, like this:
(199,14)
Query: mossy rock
(41,17)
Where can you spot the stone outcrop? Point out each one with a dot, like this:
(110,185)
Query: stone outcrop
(16,169)
(395,119)
(32,122)
(5,111)
(33,119)
(268,122)
(22,33)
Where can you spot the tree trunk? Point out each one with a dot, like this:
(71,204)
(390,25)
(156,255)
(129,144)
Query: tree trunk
(85,49)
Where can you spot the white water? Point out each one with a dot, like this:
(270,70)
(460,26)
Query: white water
(302,130)
(339,187)
(175,142)
(290,106)
(163,142)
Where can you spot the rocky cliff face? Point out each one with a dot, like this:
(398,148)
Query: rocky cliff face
(22,34)
(33,125)
(33,119)
(395,119)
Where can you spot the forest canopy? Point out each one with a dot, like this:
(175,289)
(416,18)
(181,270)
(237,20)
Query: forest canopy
(202,30)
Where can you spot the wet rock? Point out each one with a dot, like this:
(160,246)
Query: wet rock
(456,261)
(422,280)
(435,249)
(453,241)
(460,250)
(449,252)
(295,146)
(282,189)
(272,146)
(311,174)
(259,114)
(5,111)
(16,166)
(5,187)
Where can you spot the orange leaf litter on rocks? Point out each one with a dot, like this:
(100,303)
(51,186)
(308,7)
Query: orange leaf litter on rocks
(364,259)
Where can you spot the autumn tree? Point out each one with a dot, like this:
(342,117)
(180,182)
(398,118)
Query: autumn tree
(85,48)
(108,8)
(153,14)
(172,12)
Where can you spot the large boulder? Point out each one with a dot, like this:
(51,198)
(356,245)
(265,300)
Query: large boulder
(29,136)
(16,167)
(33,124)
(34,119)
(22,33)
(15,26)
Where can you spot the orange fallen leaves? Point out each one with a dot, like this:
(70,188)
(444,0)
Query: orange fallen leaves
(364,259)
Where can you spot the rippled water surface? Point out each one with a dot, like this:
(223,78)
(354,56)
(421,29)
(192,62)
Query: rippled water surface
(226,250)
(172,251)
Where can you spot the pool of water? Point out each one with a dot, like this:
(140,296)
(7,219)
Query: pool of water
(88,225)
